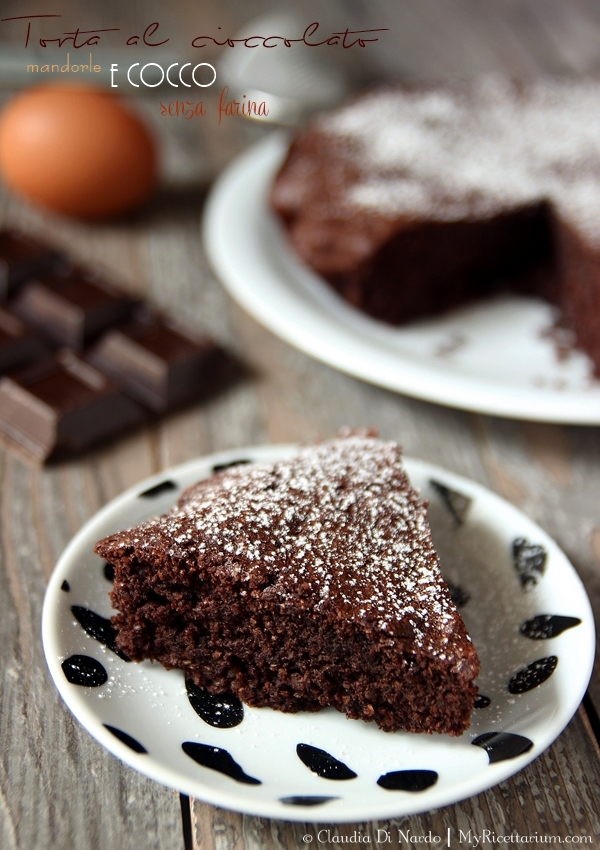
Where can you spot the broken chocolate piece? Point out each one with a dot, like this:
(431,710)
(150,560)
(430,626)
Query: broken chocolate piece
(157,362)
(18,345)
(21,258)
(72,309)
(62,405)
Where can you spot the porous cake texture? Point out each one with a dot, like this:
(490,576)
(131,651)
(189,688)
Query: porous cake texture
(410,201)
(298,584)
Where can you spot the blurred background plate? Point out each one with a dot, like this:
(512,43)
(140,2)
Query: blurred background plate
(496,356)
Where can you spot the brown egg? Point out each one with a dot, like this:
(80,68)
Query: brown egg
(77,151)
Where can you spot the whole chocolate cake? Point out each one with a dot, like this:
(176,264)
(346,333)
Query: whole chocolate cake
(413,201)
(299,584)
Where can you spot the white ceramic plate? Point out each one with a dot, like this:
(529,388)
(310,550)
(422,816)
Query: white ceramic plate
(151,705)
(493,357)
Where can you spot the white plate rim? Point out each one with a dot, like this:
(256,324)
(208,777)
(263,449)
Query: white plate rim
(236,210)
(496,773)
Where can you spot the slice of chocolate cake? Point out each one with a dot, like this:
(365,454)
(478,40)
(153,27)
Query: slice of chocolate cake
(298,584)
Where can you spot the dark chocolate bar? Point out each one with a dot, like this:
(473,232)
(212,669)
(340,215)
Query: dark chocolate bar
(117,360)
(18,345)
(158,362)
(62,405)
(22,258)
(71,309)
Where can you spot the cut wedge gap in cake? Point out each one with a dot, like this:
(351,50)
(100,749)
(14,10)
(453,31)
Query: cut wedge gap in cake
(413,200)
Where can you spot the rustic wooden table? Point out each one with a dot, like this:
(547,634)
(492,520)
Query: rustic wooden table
(58,787)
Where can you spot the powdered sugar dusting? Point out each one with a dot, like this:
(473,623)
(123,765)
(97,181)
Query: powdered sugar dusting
(337,527)
(459,153)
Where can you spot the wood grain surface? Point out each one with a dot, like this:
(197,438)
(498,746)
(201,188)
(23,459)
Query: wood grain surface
(549,797)
(58,788)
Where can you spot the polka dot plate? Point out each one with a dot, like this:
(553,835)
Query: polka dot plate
(524,606)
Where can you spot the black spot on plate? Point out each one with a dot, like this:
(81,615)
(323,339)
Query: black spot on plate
(323,763)
(218,759)
(546,626)
(459,595)
(533,675)
(85,671)
(529,560)
(221,710)
(126,739)
(99,628)
(306,801)
(219,467)
(408,780)
(158,490)
(65,586)
(482,702)
(457,503)
(501,746)
(109,572)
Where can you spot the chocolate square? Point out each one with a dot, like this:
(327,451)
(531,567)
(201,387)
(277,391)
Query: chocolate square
(61,405)
(158,362)
(22,258)
(71,309)
(18,345)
